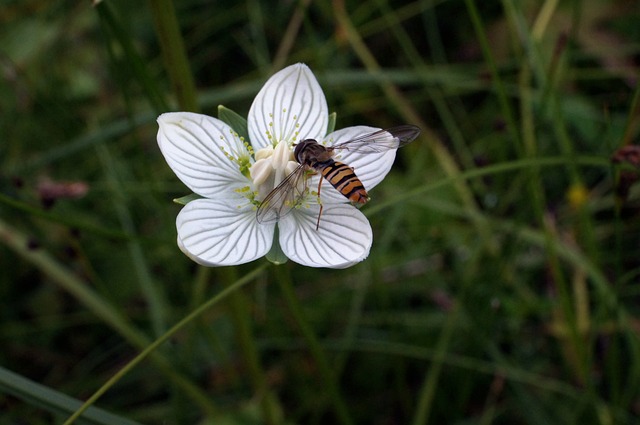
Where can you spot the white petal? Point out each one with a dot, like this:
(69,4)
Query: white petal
(370,168)
(194,146)
(218,233)
(343,239)
(290,106)
(328,193)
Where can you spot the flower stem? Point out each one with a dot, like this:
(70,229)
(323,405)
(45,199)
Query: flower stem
(427,393)
(326,373)
(151,348)
(174,53)
(240,314)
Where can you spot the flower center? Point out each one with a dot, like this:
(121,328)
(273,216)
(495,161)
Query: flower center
(271,167)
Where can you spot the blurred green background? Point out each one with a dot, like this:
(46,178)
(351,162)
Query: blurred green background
(502,285)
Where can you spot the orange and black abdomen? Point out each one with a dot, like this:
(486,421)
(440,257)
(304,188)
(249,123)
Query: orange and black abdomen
(342,177)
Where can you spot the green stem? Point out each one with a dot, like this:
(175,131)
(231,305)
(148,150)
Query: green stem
(139,68)
(171,332)
(240,314)
(501,93)
(70,283)
(430,384)
(151,290)
(174,53)
(326,372)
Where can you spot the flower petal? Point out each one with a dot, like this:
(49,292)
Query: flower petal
(197,148)
(290,106)
(343,239)
(219,233)
(371,168)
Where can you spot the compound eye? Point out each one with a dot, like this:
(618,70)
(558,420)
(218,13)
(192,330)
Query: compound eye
(300,147)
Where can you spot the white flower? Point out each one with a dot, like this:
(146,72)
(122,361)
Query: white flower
(233,176)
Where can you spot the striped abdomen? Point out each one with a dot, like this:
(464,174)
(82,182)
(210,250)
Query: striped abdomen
(342,177)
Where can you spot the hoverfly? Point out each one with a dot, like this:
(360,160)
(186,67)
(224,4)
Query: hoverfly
(314,158)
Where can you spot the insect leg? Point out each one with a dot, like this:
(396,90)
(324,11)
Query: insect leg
(319,203)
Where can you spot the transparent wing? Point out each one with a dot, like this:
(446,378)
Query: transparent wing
(284,197)
(380,141)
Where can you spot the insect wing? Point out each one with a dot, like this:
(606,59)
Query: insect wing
(283,198)
(381,140)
